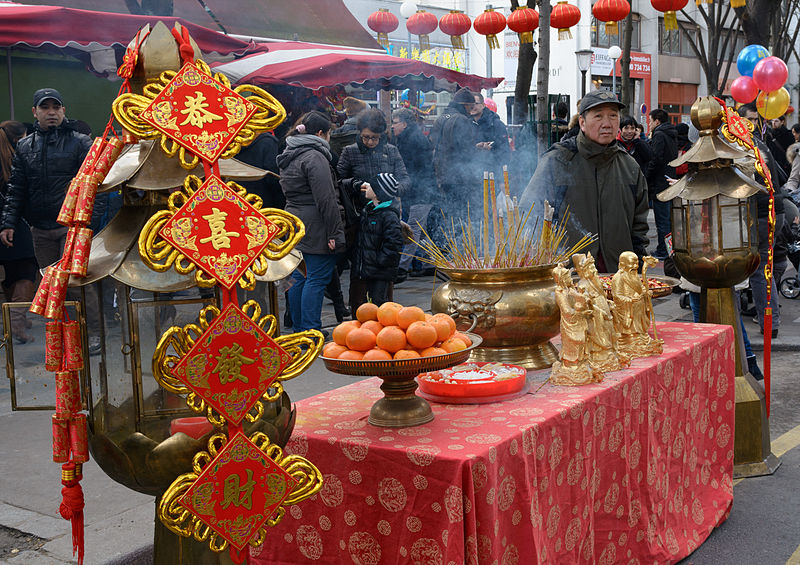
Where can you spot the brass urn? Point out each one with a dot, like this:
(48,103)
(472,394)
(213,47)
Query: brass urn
(515,309)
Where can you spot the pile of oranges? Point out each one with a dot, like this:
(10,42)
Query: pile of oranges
(394,331)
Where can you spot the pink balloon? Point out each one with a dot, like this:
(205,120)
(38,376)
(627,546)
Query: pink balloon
(744,90)
(770,74)
(491,104)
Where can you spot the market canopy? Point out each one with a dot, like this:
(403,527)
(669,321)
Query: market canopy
(97,35)
(315,67)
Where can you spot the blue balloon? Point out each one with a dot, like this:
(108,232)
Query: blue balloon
(749,57)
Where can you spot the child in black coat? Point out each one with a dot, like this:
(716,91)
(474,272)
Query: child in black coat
(377,254)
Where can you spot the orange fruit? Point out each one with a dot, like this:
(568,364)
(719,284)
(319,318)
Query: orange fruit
(377,355)
(431,351)
(428,317)
(406,354)
(367,311)
(467,341)
(351,355)
(442,328)
(340,332)
(387,313)
(360,339)
(453,344)
(372,325)
(407,315)
(332,350)
(421,335)
(448,320)
(392,339)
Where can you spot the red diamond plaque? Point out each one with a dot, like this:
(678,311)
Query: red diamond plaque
(238,491)
(200,113)
(232,364)
(219,231)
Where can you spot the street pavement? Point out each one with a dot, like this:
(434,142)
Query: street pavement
(762,527)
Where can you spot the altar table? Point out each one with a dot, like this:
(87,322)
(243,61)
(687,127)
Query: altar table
(636,469)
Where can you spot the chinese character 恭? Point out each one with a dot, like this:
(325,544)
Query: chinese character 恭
(219,238)
(229,364)
(238,495)
(196,111)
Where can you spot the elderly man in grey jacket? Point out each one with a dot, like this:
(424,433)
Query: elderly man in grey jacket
(596,182)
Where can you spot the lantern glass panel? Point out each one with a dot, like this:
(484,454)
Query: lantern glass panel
(31,385)
(679,241)
(734,223)
(703,228)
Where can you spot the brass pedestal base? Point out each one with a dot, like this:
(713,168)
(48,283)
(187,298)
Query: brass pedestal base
(532,357)
(400,407)
(752,453)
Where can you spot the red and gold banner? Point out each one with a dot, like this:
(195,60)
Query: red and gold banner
(232,364)
(238,491)
(219,231)
(200,113)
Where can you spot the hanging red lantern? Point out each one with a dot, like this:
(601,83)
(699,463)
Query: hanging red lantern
(455,24)
(382,22)
(422,23)
(563,17)
(669,7)
(524,21)
(490,23)
(611,12)
(790,109)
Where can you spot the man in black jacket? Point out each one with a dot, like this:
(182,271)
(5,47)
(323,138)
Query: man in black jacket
(664,148)
(44,164)
(454,159)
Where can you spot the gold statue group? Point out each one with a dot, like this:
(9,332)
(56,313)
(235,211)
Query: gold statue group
(600,335)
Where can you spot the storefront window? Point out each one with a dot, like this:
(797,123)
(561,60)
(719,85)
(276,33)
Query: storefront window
(600,39)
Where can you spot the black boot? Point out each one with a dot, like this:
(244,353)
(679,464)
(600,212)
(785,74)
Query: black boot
(752,366)
(334,288)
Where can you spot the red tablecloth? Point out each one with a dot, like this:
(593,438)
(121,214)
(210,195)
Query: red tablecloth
(636,469)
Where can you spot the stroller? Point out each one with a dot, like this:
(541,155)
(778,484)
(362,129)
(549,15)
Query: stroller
(790,285)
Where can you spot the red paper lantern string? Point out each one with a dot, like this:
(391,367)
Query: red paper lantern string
(524,21)
(455,24)
(669,7)
(490,23)
(563,17)
(422,24)
(382,22)
(611,12)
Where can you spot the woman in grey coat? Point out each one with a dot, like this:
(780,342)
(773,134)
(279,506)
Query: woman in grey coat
(308,184)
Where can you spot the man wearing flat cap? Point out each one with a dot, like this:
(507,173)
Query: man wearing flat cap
(453,137)
(595,180)
(43,166)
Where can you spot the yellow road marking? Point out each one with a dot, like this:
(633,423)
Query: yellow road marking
(780,446)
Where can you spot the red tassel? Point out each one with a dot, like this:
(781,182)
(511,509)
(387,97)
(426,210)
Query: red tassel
(72,505)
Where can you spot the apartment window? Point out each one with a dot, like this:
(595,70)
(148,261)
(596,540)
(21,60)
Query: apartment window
(730,55)
(600,39)
(675,41)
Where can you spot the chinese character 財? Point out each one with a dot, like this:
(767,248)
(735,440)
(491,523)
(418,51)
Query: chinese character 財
(238,495)
(229,364)
(196,111)
(219,238)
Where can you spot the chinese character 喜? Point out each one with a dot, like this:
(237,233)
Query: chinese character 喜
(219,237)
(229,364)
(196,111)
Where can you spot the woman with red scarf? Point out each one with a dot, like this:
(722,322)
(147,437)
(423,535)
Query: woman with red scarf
(628,138)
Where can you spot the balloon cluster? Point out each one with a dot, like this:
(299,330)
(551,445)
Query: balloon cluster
(762,80)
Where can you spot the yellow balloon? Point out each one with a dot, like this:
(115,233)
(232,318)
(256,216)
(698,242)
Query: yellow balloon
(773,104)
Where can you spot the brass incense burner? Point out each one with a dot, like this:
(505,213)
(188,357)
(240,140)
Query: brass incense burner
(516,312)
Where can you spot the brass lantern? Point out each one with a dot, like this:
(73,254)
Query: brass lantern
(715,240)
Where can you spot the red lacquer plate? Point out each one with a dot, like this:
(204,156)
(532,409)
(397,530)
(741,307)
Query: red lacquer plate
(474,380)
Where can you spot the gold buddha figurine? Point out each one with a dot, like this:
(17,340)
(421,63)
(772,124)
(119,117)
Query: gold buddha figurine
(602,339)
(633,308)
(573,367)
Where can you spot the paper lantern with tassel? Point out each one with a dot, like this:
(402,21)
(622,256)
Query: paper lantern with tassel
(611,12)
(455,24)
(563,17)
(490,23)
(383,22)
(422,23)
(669,7)
(524,21)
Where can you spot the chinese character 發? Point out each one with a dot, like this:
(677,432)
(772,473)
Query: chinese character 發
(196,112)
(229,364)
(219,238)
(238,495)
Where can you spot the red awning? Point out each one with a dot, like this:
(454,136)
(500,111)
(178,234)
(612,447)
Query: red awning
(314,67)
